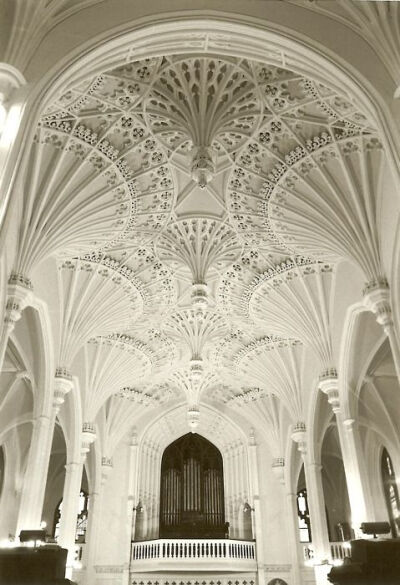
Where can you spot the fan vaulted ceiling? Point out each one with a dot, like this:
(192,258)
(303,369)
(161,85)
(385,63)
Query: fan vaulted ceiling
(197,206)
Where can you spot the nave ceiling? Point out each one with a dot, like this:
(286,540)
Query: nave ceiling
(197,208)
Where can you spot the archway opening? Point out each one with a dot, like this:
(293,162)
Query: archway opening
(192,490)
(2,466)
(334,485)
(303,513)
(391,492)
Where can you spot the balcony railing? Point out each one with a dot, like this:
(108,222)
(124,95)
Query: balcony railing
(204,554)
(339,551)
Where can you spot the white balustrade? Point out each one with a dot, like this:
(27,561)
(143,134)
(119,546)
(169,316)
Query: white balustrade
(339,551)
(193,551)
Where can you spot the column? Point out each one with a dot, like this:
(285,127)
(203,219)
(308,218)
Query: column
(353,458)
(12,100)
(94,516)
(255,493)
(377,299)
(278,469)
(357,479)
(293,535)
(153,491)
(35,479)
(13,480)
(94,513)
(19,295)
(229,472)
(132,501)
(70,502)
(70,508)
(316,504)
(30,511)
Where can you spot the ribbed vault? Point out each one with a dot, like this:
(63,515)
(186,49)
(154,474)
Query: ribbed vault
(198,206)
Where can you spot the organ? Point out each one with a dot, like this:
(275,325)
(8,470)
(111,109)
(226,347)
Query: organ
(192,490)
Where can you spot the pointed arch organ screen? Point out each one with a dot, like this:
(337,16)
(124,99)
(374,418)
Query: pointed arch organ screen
(192,490)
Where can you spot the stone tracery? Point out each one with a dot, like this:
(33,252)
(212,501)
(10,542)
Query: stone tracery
(241,189)
(145,122)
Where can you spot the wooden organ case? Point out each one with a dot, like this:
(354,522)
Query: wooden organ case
(192,490)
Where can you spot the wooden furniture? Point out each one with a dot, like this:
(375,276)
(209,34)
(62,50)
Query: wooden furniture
(43,565)
(372,562)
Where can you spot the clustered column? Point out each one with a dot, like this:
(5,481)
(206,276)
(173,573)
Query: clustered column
(255,491)
(312,471)
(31,506)
(352,454)
(72,488)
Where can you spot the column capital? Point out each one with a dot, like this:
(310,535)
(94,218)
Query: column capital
(62,385)
(252,438)
(278,468)
(299,436)
(19,295)
(88,437)
(42,419)
(315,465)
(329,385)
(377,299)
(106,468)
(133,439)
(291,495)
(10,79)
(349,423)
(71,466)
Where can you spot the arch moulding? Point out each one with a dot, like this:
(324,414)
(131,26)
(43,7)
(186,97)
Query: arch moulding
(216,33)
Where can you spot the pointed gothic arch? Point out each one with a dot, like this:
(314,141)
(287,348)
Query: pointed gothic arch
(192,489)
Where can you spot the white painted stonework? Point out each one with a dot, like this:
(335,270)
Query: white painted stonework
(199,218)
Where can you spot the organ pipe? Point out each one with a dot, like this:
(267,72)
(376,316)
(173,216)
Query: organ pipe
(192,489)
